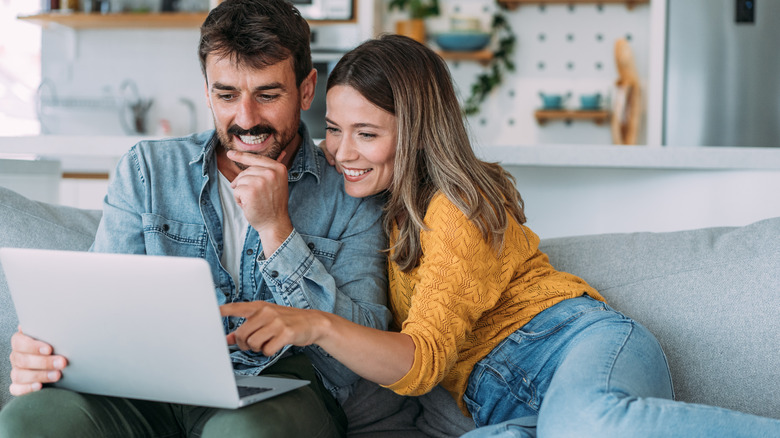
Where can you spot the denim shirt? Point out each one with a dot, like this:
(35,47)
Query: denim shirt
(164,200)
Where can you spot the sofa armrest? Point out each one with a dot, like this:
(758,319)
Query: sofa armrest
(710,296)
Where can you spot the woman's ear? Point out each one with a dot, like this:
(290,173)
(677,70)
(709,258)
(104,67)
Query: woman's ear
(307,89)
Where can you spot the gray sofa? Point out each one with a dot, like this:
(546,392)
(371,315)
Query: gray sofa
(711,296)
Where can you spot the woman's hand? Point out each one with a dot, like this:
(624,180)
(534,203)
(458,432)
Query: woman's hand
(380,356)
(269,327)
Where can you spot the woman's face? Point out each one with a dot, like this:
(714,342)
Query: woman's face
(362,139)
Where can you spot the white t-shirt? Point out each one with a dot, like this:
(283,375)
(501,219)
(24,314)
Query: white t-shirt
(234,230)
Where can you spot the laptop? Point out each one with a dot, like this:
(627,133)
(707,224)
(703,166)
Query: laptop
(134,326)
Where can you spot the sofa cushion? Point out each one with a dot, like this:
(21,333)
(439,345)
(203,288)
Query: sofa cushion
(30,224)
(711,296)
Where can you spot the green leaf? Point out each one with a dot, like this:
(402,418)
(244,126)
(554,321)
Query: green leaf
(485,83)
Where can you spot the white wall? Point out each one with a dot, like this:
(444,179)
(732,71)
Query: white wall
(564,201)
(84,69)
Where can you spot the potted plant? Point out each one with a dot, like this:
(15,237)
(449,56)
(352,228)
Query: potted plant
(501,33)
(418,10)
(500,63)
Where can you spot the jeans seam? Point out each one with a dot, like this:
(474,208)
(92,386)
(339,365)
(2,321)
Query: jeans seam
(608,381)
(668,369)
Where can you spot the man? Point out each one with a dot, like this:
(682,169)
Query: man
(258,201)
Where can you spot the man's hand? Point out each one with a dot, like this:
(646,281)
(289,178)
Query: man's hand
(33,364)
(330,158)
(261,191)
(269,327)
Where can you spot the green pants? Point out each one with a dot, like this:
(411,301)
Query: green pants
(309,411)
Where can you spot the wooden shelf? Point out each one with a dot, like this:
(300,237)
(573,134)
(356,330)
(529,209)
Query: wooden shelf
(597,116)
(513,4)
(124,20)
(130,20)
(482,56)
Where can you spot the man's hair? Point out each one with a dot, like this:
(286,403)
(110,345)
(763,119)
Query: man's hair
(257,34)
(433,151)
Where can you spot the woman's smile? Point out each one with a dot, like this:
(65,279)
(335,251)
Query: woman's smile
(362,138)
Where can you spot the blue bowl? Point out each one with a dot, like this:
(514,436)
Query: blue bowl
(462,41)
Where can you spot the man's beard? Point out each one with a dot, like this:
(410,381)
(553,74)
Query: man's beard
(226,138)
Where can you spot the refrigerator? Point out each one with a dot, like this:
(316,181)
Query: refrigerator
(722,73)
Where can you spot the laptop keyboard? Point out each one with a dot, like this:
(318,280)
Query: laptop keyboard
(244,391)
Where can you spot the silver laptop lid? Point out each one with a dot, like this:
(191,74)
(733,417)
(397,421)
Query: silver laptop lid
(134,326)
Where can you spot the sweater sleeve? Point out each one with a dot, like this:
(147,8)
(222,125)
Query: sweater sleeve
(459,279)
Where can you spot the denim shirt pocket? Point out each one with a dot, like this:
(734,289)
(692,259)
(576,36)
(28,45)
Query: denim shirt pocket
(323,249)
(164,236)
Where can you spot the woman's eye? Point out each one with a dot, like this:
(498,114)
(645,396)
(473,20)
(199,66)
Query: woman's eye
(331,130)
(367,135)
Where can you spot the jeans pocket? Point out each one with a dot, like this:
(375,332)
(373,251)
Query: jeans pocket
(500,389)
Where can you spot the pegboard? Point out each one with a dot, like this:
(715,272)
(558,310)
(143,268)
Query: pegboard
(560,48)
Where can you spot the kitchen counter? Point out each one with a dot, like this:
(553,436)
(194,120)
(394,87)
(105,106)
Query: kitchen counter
(567,189)
(635,157)
(77,154)
(100,153)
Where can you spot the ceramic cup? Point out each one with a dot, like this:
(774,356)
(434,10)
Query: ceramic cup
(553,101)
(590,101)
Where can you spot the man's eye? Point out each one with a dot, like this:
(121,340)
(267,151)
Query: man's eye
(267,97)
(226,97)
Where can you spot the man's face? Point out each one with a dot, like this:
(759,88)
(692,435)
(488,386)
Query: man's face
(255,111)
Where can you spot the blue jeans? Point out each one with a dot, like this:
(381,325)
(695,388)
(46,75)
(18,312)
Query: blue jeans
(581,369)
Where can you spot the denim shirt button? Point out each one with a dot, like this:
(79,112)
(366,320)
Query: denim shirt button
(295,174)
(311,245)
(249,251)
(274,274)
(166,227)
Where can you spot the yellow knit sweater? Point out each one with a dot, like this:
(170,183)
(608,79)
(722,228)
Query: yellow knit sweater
(464,297)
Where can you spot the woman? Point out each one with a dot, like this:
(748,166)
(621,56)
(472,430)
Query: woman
(479,309)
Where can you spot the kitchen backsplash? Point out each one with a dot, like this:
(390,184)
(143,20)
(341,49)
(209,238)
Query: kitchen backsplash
(559,49)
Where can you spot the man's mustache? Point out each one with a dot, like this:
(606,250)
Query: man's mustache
(255,130)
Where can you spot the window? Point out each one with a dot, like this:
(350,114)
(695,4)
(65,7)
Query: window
(20,68)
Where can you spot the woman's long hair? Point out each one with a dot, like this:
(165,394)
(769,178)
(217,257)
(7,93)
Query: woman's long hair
(433,153)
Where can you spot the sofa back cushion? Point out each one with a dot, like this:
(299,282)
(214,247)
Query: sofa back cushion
(711,296)
(30,224)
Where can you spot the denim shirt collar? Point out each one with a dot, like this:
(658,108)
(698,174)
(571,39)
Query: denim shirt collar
(305,159)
